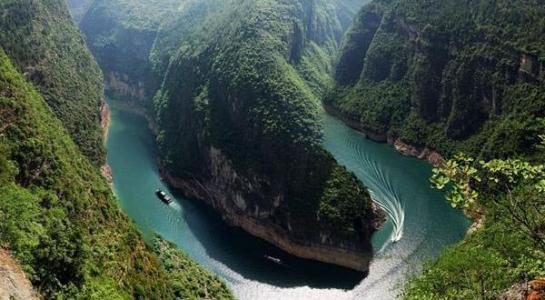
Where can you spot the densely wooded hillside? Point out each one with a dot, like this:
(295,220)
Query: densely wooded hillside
(461,76)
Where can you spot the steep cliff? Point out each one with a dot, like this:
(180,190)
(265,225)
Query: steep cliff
(120,34)
(237,111)
(460,76)
(78,8)
(447,76)
(237,114)
(44,45)
(60,219)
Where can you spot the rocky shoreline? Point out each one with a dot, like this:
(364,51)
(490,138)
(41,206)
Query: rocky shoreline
(425,153)
(434,158)
(266,230)
(262,228)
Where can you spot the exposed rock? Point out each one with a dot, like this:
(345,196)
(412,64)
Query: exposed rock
(105,118)
(221,191)
(533,290)
(420,152)
(13,282)
(106,172)
(538,285)
(118,83)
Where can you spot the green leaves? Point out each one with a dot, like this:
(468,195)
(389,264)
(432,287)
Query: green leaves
(458,174)
(190,281)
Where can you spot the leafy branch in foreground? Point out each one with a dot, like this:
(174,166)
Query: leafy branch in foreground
(509,247)
(513,186)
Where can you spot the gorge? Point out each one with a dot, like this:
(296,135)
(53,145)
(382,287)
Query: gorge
(313,149)
(416,212)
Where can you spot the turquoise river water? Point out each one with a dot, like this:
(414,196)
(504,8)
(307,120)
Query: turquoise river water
(420,223)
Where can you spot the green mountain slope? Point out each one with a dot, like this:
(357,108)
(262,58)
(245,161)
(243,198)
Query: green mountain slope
(244,90)
(239,99)
(42,42)
(120,34)
(60,219)
(460,78)
(447,76)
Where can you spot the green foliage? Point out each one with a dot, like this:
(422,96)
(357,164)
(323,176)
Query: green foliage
(470,77)
(59,216)
(482,266)
(343,202)
(244,82)
(120,34)
(43,43)
(511,245)
(191,281)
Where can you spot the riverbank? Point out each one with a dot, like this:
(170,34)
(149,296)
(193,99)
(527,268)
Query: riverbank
(424,153)
(138,110)
(476,215)
(238,257)
(206,192)
(266,230)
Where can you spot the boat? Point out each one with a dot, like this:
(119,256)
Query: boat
(163,196)
(275,260)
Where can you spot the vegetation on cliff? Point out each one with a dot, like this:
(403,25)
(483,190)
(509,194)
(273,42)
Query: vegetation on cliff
(510,246)
(447,76)
(460,78)
(120,34)
(48,49)
(243,78)
(59,216)
(247,83)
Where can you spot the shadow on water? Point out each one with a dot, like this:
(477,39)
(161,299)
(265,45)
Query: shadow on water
(196,228)
(245,254)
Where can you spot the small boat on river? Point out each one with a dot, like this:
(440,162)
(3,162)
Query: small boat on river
(163,196)
(273,259)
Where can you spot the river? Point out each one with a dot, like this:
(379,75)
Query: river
(420,222)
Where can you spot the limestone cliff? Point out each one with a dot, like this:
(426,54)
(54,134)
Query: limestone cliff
(444,76)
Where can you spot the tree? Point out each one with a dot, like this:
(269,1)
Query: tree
(512,187)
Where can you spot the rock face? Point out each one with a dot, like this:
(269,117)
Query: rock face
(239,130)
(533,290)
(121,35)
(406,72)
(13,283)
(236,112)
(240,200)
(420,152)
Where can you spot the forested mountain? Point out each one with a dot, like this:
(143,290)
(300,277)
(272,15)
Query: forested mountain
(246,97)
(460,76)
(44,45)
(60,219)
(233,90)
(121,34)
(59,216)
(238,105)
(446,75)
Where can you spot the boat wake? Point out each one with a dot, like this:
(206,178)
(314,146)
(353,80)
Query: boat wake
(382,192)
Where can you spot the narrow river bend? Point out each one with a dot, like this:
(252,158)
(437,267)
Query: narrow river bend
(420,222)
